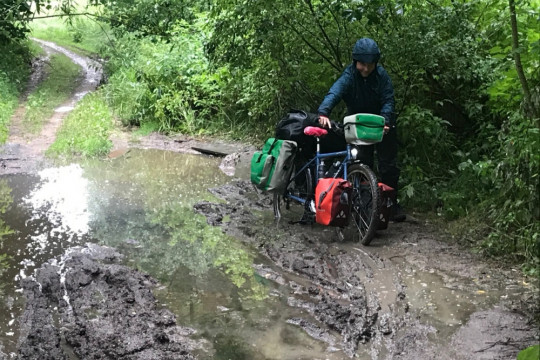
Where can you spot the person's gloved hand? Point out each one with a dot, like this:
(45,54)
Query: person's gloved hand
(324,121)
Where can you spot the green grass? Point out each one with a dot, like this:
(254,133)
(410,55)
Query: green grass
(85,132)
(84,35)
(57,87)
(8,103)
(14,72)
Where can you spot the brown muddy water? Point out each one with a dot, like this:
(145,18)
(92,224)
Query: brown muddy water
(238,300)
(141,204)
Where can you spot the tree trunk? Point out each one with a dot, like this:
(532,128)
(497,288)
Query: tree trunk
(517,59)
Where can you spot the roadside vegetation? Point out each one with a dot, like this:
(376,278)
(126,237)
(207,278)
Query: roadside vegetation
(85,132)
(466,75)
(15,61)
(81,34)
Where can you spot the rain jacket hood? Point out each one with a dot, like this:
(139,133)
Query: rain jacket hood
(366,50)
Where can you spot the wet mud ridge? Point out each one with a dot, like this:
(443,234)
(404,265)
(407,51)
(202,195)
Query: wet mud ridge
(334,293)
(88,306)
(355,298)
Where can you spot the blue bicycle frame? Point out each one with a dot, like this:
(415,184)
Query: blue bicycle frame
(317,159)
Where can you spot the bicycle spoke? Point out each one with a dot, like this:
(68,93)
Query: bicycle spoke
(366,225)
(365,208)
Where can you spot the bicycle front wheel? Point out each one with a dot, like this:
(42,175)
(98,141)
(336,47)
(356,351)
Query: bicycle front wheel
(365,204)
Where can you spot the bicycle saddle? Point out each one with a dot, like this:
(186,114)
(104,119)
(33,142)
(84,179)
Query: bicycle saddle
(315,131)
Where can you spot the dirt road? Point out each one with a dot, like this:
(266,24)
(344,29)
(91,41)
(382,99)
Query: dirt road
(23,152)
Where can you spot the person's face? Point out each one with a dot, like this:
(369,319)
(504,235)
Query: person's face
(365,68)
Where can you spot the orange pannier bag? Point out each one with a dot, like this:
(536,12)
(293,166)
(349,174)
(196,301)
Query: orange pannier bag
(333,202)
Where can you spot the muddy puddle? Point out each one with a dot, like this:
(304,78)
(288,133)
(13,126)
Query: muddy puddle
(248,287)
(142,204)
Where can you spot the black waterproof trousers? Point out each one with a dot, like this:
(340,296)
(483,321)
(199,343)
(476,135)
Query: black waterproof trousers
(387,151)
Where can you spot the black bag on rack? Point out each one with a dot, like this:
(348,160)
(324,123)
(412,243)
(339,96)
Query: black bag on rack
(291,126)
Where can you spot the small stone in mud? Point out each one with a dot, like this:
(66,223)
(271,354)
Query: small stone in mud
(384,324)
(117,153)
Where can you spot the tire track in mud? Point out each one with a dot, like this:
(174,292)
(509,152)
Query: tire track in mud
(24,153)
(338,287)
(361,300)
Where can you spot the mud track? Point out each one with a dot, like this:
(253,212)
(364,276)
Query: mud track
(360,292)
(88,306)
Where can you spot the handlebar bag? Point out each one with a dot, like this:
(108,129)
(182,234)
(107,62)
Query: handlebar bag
(333,198)
(363,129)
(271,168)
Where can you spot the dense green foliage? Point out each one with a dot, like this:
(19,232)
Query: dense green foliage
(148,17)
(466,75)
(167,83)
(14,15)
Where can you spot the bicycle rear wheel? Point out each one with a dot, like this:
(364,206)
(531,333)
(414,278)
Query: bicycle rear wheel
(365,204)
(301,187)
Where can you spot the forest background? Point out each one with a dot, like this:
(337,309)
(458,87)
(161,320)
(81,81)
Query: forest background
(466,76)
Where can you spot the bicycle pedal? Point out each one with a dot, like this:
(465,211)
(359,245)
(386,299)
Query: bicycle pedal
(312,206)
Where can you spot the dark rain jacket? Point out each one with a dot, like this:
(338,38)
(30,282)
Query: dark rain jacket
(373,95)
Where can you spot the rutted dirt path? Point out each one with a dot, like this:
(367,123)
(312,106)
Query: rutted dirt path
(407,296)
(24,152)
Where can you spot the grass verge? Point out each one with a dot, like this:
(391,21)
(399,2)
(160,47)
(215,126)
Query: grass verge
(85,132)
(57,87)
(8,103)
(14,72)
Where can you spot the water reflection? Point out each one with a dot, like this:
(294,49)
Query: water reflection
(142,204)
(62,197)
(150,214)
(5,201)
(201,247)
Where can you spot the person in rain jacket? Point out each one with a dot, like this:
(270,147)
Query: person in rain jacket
(365,87)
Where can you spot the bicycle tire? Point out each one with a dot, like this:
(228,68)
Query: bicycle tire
(365,204)
(305,191)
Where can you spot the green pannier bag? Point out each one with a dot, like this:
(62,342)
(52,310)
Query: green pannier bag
(363,129)
(271,168)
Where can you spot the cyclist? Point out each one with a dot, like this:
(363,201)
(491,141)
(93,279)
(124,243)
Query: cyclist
(365,87)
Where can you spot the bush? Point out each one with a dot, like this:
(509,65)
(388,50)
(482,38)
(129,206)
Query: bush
(170,83)
(428,153)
